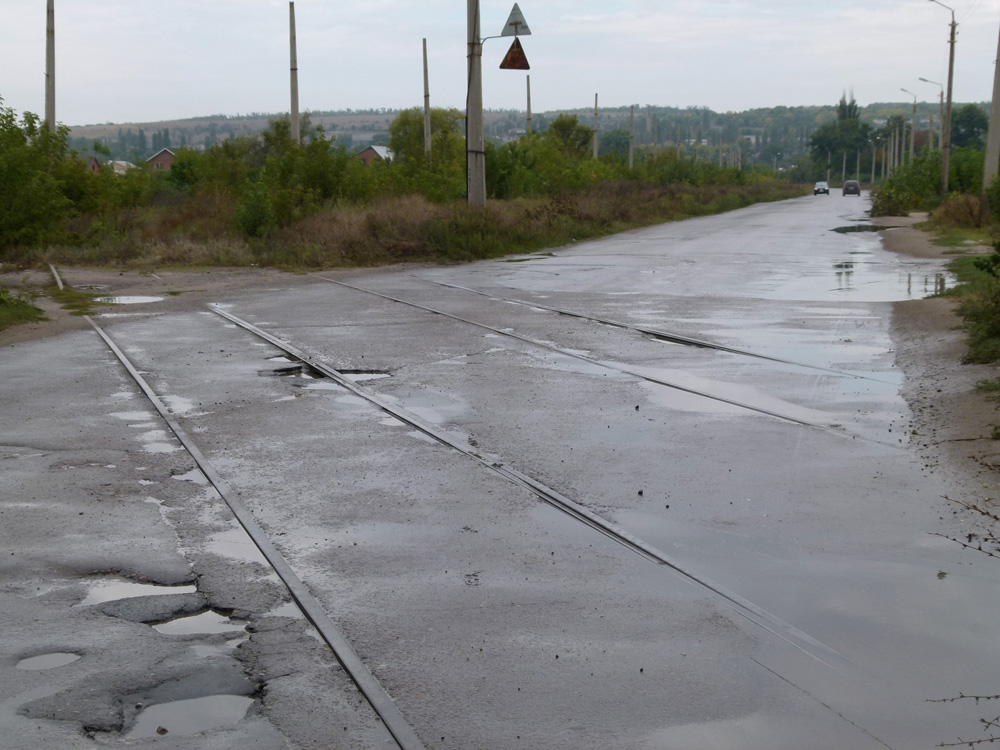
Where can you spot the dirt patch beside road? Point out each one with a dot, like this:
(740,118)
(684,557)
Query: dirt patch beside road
(952,422)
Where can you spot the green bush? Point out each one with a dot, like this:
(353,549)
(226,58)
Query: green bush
(254,213)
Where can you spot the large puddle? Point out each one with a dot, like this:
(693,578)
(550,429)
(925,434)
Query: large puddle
(129,300)
(202,624)
(109,591)
(47,661)
(187,717)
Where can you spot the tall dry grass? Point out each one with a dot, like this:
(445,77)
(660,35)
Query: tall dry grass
(201,231)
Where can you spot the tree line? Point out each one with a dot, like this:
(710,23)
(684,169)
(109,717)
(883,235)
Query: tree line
(265,182)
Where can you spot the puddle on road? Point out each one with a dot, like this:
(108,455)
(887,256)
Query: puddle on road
(187,717)
(357,376)
(47,661)
(236,544)
(204,623)
(194,475)
(129,300)
(861,228)
(109,591)
(288,609)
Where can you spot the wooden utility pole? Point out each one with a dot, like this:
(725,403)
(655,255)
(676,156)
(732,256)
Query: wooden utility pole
(475,141)
(529,103)
(50,66)
(427,108)
(595,126)
(294,112)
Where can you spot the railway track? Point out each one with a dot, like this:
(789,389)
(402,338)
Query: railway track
(377,696)
(381,702)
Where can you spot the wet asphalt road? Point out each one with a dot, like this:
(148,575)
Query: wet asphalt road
(810,603)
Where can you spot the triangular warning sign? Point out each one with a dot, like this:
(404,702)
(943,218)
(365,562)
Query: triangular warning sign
(515,58)
(516,25)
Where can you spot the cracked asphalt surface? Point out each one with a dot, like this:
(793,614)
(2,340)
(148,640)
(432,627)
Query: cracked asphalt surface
(493,619)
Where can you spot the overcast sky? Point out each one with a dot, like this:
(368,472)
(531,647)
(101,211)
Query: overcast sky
(148,60)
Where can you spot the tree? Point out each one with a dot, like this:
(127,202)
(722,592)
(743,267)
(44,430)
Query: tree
(571,137)
(31,160)
(847,110)
(406,136)
(968,127)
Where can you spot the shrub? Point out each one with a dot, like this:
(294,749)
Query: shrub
(254,213)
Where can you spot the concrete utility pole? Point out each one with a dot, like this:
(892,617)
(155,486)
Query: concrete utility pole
(427,108)
(913,124)
(992,163)
(50,66)
(941,107)
(631,137)
(595,126)
(475,141)
(294,112)
(946,125)
(529,104)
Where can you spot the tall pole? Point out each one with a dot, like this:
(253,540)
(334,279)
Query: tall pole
(946,124)
(50,66)
(294,113)
(529,104)
(992,161)
(913,124)
(873,162)
(475,141)
(930,126)
(946,149)
(595,126)
(631,137)
(941,107)
(427,108)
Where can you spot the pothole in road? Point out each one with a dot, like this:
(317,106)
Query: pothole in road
(135,299)
(187,717)
(861,228)
(108,591)
(47,661)
(359,375)
(201,624)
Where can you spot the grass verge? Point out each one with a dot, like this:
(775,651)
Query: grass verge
(15,310)
(401,228)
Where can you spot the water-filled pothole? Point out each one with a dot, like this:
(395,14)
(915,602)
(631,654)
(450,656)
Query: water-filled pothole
(187,717)
(109,591)
(861,228)
(203,623)
(359,375)
(135,299)
(47,661)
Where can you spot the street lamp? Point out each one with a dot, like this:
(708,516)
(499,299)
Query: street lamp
(946,127)
(913,125)
(941,106)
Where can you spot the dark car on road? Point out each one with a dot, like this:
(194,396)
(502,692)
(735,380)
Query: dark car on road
(852,187)
(821,187)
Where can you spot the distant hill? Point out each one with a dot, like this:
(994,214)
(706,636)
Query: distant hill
(778,134)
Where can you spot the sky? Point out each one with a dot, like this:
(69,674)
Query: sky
(149,60)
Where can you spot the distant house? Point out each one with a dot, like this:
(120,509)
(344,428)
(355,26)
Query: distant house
(379,153)
(161,160)
(93,165)
(120,167)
